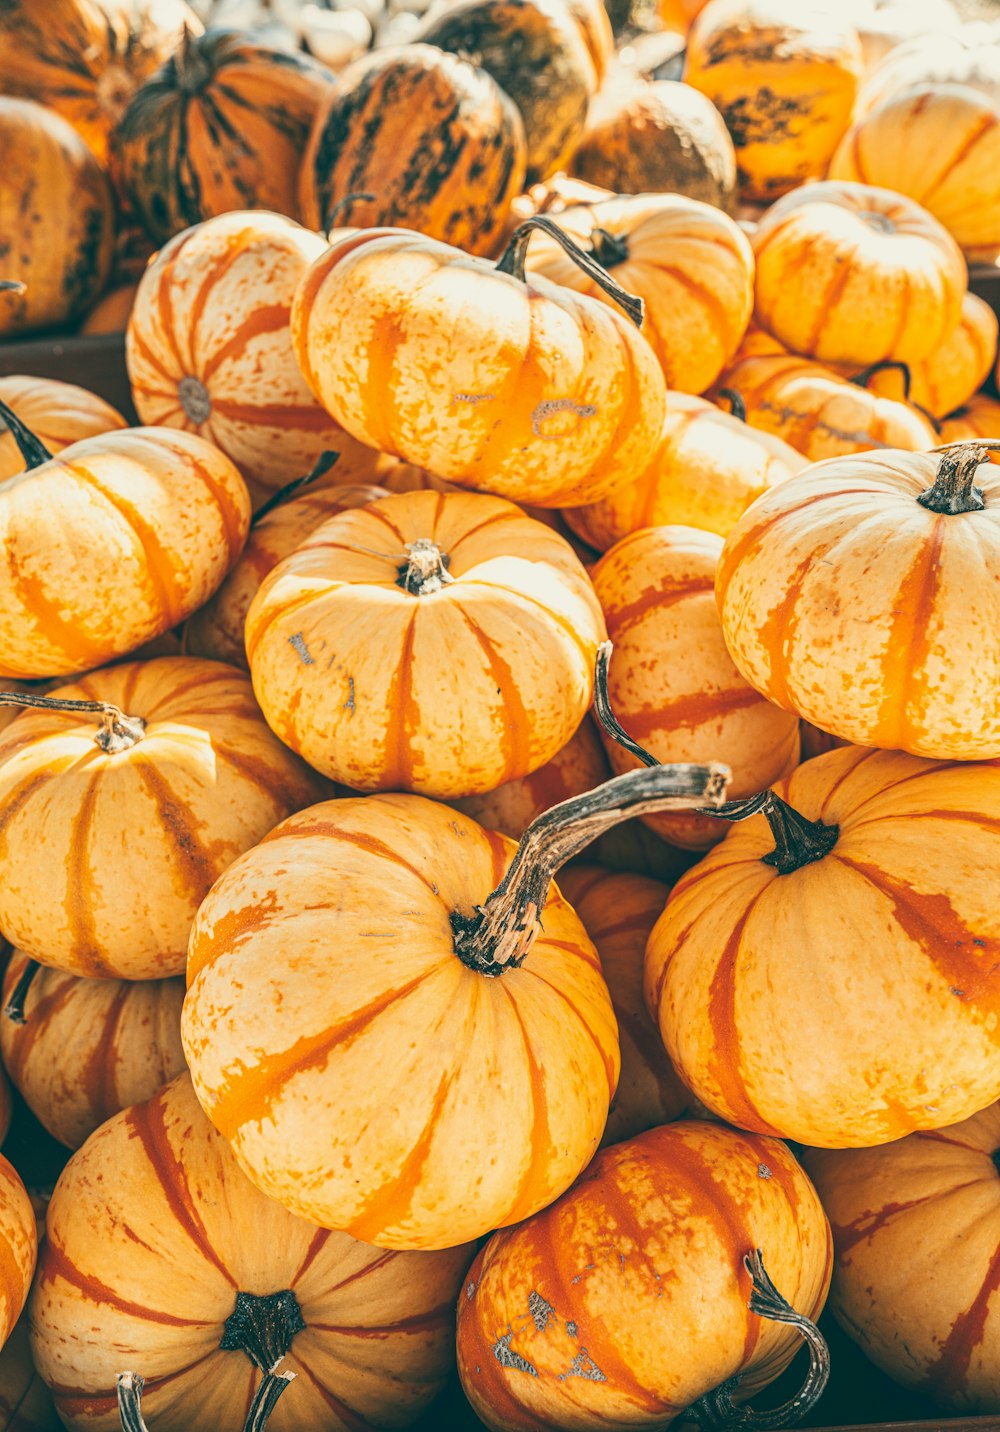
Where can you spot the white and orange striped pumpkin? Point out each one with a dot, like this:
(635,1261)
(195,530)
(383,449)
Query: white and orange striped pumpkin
(18,1247)
(435,642)
(107,854)
(160,1257)
(209,346)
(672,683)
(57,413)
(89,1048)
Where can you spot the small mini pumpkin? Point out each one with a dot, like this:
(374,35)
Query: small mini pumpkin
(978,418)
(111,312)
(850,273)
(57,413)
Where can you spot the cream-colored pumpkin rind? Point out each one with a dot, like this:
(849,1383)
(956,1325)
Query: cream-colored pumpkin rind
(158,1250)
(57,413)
(849,273)
(512,385)
(690,263)
(107,855)
(436,642)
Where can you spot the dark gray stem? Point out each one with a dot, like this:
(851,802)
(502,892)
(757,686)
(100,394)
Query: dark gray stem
(797,841)
(265,1399)
(737,405)
(319,469)
(14,1008)
(954,490)
(117,732)
(32,449)
(602,708)
(130,1386)
(512,261)
(263,1327)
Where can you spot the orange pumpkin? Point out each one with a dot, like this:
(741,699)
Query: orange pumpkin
(435,642)
(160,1255)
(110,544)
(679,15)
(418,138)
(18,1247)
(592,20)
(895,652)
(56,219)
(761,973)
(633,1297)
(672,683)
(618,912)
(658,138)
(86,58)
(690,263)
(853,274)
(209,344)
(57,413)
(550,397)
(916,1226)
(89,1048)
(537,54)
(784,77)
(111,312)
(25,1401)
(404,961)
(815,742)
(189,773)
(978,418)
(222,125)
(705,473)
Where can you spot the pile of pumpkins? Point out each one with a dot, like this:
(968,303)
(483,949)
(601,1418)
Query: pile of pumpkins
(400,1011)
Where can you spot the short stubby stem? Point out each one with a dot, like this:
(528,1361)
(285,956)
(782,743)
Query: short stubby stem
(512,260)
(607,248)
(117,731)
(425,569)
(954,490)
(263,1327)
(14,1008)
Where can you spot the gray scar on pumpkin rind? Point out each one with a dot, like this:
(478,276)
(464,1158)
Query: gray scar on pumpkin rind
(540,1310)
(583,1365)
(507,1357)
(548,409)
(298,644)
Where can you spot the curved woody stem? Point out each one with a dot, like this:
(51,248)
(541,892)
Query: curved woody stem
(270,1388)
(886,365)
(717,1412)
(319,469)
(737,403)
(511,261)
(605,715)
(14,1008)
(117,732)
(954,490)
(32,449)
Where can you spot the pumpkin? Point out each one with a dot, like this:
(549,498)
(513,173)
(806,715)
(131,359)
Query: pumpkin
(209,345)
(25,1401)
(672,684)
(817,412)
(592,20)
(405,962)
(86,58)
(56,219)
(116,820)
(160,1255)
(618,911)
(659,138)
(216,630)
(435,642)
(8,713)
(962,56)
(536,53)
(978,418)
(679,15)
(889,660)
(819,973)
(784,78)
(815,742)
(110,544)
(960,127)
(18,1247)
(689,263)
(88,1048)
(916,1226)
(952,373)
(705,473)
(549,398)
(415,137)
(630,1299)
(57,413)
(222,125)
(579,766)
(110,314)
(884,24)
(854,274)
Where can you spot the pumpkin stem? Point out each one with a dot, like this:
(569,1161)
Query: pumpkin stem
(191,68)
(737,403)
(608,249)
(319,469)
(130,1386)
(499,935)
(716,1410)
(330,219)
(954,489)
(12,285)
(33,450)
(797,841)
(425,569)
(602,707)
(885,366)
(117,732)
(263,1327)
(14,1008)
(512,261)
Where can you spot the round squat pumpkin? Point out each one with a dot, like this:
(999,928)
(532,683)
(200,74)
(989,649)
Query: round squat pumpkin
(849,273)
(222,125)
(160,1257)
(57,219)
(57,413)
(706,471)
(436,642)
(860,594)
(111,544)
(117,820)
(966,55)
(82,1049)
(672,683)
(691,265)
(762,972)
(631,1298)
(784,76)
(418,138)
(916,1225)
(978,418)
(485,376)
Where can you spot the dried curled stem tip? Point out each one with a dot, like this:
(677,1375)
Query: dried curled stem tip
(117,732)
(130,1386)
(272,1385)
(954,490)
(14,1008)
(797,841)
(512,259)
(12,285)
(717,1412)
(425,569)
(737,404)
(602,708)
(319,469)
(32,449)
